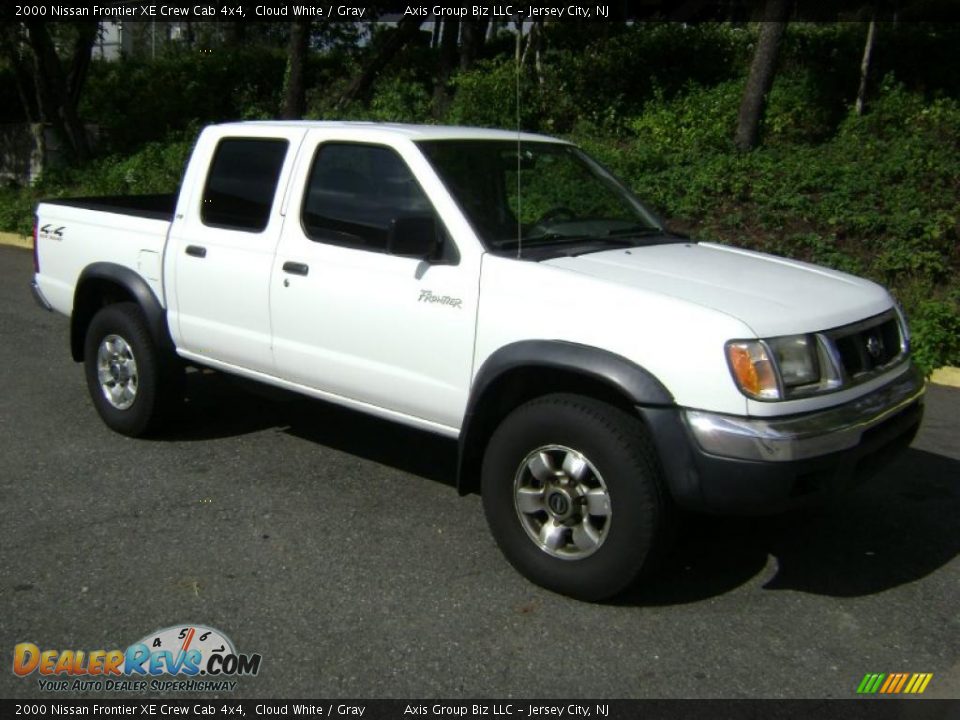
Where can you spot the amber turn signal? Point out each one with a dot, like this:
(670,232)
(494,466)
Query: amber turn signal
(752,369)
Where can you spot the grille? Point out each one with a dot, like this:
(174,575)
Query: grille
(868,347)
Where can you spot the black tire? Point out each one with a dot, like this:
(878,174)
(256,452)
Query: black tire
(618,448)
(158,384)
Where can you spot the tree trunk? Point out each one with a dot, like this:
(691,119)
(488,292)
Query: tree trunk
(80,56)
(11,42)
(448,59)
(471,41)
(58,94)
(538,55)
(533,39)
(294,80)
(762,71)
(534,45)
(865,66)
(22,80)
(406,30)
(47,76)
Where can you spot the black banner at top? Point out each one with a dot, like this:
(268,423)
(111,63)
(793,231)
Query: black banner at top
(506,11)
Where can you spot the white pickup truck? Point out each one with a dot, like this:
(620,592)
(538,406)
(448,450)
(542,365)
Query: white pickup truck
(498,288)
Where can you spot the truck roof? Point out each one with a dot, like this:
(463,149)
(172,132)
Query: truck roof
(413,132)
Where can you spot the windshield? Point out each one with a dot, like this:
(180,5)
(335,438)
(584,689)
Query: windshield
(536,194)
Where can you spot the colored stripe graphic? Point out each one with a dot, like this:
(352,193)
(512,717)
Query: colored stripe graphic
(922,680)
(890,682)
(894,683)
(870,683)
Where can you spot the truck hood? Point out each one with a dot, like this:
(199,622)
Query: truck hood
(772,295)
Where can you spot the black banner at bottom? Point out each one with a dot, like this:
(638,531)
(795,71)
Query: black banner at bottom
(873,709)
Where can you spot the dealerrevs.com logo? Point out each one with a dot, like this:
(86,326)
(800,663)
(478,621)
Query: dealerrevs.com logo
(180,658)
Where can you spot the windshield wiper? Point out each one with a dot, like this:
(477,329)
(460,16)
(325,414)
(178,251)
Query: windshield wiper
(545,239)
(593,243)
(636,231)
(606,242)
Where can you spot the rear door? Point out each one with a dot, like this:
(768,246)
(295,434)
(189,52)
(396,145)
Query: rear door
(224,241)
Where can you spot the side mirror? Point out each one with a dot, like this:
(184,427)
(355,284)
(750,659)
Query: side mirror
(414,236)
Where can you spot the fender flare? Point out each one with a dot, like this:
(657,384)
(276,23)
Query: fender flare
(636,384)
(134,285)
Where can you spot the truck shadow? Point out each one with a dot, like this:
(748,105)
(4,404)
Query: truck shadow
(220,406)
(899,527)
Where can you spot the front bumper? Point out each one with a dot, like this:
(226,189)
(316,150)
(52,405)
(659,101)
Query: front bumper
(804,436)
(722,463)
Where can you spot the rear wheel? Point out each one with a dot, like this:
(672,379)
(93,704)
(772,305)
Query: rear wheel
(131,383)
(573,495)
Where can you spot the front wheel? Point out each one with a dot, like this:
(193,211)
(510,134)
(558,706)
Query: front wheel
(573,495)
(125,371)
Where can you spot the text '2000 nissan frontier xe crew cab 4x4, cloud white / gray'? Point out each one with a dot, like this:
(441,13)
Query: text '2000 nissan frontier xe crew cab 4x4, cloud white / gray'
(501,289)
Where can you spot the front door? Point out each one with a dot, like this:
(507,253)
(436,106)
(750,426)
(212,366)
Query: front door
(361,324)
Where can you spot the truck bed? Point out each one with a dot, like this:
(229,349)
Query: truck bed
(74,233)
(156,207)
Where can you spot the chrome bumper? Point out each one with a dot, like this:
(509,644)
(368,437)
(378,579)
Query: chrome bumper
(799,437)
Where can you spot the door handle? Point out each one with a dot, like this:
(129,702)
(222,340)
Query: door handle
(295,268)
(196,251)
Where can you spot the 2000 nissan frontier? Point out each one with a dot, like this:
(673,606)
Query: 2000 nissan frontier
(502,289)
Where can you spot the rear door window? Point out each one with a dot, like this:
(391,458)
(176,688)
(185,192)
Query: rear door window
(242,183)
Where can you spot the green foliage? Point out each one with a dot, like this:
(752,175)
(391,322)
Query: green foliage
(16,210)
(936,334)
(798,111)
(702,120)
(486,96)
(598,75)
(155,168)
(137,101)
(399,98)
(611,77)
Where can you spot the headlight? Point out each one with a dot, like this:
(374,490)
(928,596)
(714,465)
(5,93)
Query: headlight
(796,357)
(769,369)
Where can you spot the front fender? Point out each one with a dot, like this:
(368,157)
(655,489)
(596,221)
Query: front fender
(577,363)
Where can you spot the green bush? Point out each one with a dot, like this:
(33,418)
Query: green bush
(610,77)
(399,98)
(137,101)
(936,334)
(486,96)
(155,168)
(16,210)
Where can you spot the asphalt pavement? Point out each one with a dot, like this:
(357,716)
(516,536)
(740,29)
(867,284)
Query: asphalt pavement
(335,546)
